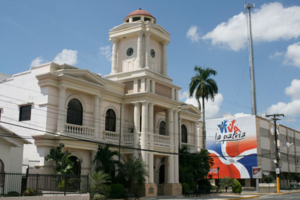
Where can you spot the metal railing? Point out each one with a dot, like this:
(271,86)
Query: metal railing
(19,184)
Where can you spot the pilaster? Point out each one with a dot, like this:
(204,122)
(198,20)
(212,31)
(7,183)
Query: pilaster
(147,51)
(140,50)
(61,115)
(114,56)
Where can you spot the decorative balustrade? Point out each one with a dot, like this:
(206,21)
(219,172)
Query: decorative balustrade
(161,140)
(128,137)
(111,136)
(79,130)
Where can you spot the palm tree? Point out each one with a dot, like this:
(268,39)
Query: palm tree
(204,87)
(134,171)
(99,181)
(105,161)
(63,164)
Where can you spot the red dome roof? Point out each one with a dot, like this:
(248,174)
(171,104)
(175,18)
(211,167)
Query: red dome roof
(140,12)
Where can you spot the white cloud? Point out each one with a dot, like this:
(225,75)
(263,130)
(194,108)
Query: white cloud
(212,108)
(292,55)
(276,55)
(193,34)
(289,109)
(183,95)
(106,51)
(292,108)
(37,61)
(67,56)
(270,22)
(294,90)
(241,115)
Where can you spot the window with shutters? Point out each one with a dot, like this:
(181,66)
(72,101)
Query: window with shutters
(184,136)
(75,112)
(110,120)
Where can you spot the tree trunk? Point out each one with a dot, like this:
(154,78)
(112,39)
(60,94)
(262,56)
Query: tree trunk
(199,105)
(203,125)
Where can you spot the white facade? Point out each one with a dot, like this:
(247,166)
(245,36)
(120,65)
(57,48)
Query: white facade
(138,88)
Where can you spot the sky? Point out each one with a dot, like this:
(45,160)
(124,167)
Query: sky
(204,33)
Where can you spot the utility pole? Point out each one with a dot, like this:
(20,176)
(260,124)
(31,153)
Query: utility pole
(251,62)
(276,149)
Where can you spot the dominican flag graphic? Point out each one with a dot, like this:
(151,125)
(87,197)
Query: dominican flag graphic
(232,145)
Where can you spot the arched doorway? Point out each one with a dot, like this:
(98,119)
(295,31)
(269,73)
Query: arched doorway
(162,174)
(77,165)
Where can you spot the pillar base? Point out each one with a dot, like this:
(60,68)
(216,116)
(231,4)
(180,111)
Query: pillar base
(172,189)
(150,190)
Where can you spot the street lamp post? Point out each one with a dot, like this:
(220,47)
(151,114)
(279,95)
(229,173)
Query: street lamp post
(218,168)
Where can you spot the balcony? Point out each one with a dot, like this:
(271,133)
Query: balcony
(161,140)
(79,130)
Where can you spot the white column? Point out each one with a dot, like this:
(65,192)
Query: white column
(176,135)
(148,85)
(153,86)
(173,93)
(114,56)
(136,128)
(96,116)
(123,122)
(147,51)
(177,95)
(101,119)
(135,86)
(140,50)
(61,115)
(151,131)
(144,133)
(164,64)
(171,135)
(143,84)
(196,136)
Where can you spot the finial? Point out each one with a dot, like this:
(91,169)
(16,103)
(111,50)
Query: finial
(140,9)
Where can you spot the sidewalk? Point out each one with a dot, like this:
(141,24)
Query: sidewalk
(211,197)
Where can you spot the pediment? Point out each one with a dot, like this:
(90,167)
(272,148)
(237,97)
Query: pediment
(190,108)
(160,29)
(82,74)
(125,26)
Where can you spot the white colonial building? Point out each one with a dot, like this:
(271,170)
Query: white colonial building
(136,103)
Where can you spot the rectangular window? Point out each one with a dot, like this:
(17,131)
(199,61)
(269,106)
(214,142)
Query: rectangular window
(25,113)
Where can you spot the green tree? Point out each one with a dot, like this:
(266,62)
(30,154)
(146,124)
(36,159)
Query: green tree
(226,182)
(98,182)
(133,172)
(204,87)
(193,167)
(104,160)
(63,165)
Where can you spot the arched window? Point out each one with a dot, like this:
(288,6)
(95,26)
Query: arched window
(110,120)
(2,173)
(162,128)
(184,137)
(75,111)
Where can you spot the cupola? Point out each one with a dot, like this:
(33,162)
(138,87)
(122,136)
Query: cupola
(139,15)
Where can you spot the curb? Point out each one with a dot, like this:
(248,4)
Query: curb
(289,192)
(250,197)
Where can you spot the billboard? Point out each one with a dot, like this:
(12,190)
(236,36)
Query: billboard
(232,145)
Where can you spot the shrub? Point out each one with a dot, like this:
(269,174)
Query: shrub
(117,191)
(185,187)
(12,194)
(267,179)
(214,188)
(30,192)
(193,186)
(236,186)
(98,196)
(226,182)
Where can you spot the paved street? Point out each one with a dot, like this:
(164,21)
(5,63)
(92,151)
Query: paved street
(285,196)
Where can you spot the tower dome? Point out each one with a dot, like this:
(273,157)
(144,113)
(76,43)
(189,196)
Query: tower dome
(139,15)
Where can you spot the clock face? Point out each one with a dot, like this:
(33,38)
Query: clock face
(129,51)
(152,53)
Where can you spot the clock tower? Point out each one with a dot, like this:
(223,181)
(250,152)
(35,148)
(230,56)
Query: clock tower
(139,43)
